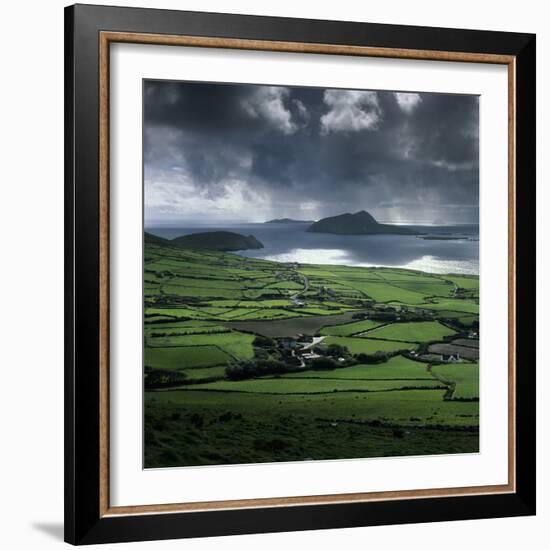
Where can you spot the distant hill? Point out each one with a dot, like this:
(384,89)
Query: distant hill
(225,241)
(360,223)
(288,220)
(154,239)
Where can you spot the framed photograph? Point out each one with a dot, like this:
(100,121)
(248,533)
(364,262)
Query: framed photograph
(300,284)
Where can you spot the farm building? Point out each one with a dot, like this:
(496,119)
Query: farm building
(309,355)
(288,342)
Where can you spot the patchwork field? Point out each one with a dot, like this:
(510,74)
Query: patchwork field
(248,360)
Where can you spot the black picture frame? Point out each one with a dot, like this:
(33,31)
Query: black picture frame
(84,523)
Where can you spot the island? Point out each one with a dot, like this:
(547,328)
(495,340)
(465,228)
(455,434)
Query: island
(288,220)
(223,241)
(360,223)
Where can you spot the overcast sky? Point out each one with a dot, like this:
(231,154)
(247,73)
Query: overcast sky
(218,153)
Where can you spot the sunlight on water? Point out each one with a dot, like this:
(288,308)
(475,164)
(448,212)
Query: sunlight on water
(429,264)
(313,256)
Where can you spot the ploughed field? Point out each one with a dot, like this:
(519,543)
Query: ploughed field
(247,360)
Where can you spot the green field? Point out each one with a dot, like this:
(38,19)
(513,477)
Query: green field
(463,377)
(185,357)
(349,328)
(427,331)
(462,306)
(286,386)
(221,334)
(198,373)
(235,344)
(182,328)
(365,345)
(397,367)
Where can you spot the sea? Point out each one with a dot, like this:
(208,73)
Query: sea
(440,249)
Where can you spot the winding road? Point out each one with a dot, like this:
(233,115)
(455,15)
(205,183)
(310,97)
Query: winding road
(305,280)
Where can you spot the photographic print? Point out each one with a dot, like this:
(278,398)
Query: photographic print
(272,255)
(311,273)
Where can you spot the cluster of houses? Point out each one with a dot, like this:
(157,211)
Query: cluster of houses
(304,347)
(442,357)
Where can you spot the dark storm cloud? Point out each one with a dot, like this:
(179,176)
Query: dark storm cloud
(214,149)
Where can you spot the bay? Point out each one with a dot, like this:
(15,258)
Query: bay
(441,249)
